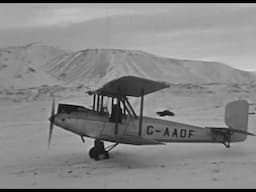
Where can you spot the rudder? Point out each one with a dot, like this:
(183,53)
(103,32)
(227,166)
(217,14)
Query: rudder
(236,117)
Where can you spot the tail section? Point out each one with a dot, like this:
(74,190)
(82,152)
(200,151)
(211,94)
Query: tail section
(236,118)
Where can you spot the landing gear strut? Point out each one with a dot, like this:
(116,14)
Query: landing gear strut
(98,152)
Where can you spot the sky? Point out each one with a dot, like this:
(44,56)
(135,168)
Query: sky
(202,31)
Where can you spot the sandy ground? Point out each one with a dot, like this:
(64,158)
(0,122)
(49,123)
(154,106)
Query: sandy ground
(25,161)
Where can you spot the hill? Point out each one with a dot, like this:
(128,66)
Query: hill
(94,65)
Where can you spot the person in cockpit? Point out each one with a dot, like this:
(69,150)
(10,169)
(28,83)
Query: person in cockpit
(116,114)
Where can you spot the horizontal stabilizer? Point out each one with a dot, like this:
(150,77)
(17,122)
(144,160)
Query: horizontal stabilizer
(241,131)
(223,131)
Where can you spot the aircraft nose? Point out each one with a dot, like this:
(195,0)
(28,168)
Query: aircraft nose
(51,119)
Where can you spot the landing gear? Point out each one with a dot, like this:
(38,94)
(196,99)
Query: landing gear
(98,152)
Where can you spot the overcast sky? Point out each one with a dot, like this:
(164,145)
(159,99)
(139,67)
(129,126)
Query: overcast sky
(216,32)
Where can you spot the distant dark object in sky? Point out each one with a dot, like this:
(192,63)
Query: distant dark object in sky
(165,113)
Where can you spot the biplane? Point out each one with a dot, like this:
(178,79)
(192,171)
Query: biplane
(118,122)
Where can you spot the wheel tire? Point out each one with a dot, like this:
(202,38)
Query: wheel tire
(92,153)
(98,154)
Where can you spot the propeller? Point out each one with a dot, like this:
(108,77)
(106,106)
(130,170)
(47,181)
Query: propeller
(51,119)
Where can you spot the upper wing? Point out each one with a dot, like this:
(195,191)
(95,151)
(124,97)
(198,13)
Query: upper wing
(130,86)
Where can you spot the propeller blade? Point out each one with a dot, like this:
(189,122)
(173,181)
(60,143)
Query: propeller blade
(50,135)
(51,122)
(53,107)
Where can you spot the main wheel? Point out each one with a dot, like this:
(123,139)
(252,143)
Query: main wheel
(92,153)
(98,155)
(95,154)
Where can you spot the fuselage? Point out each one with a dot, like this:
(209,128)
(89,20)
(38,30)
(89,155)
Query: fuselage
(97,125)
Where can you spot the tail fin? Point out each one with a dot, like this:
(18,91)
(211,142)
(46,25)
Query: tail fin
(236,118)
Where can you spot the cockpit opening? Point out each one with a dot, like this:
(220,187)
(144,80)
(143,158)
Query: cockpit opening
(67,108)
